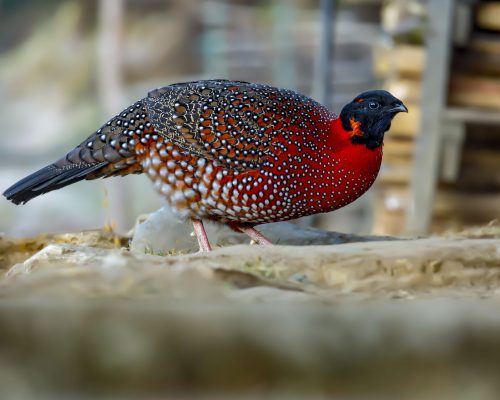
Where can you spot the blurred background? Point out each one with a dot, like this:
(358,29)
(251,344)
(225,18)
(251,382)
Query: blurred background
(66,66)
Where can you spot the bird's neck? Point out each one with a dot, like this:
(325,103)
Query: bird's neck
(356,155)
(352,167)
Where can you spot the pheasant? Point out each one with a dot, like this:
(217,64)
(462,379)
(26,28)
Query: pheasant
(235,152)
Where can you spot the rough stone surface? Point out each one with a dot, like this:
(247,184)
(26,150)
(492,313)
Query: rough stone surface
(17,250)
(412,319)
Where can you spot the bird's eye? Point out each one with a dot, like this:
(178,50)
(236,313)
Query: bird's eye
(373,105)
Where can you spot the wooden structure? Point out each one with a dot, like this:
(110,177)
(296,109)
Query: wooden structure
(442,127)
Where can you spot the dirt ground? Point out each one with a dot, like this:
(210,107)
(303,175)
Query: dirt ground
(81,314)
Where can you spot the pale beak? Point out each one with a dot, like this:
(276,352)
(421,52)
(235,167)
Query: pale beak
(399,108)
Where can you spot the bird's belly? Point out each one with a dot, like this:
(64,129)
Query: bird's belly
(319,186)
(196,187)
(199,188)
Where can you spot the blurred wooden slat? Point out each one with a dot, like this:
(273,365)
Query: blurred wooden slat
(477,61)
(406,125)
(409,90)
(488,15)
(403,60)
(398,175)
(484,158)
(474,115)
(485,43)
(397,148)
(475,91)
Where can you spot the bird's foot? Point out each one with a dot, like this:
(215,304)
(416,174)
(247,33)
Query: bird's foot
(201,235)
(253,233)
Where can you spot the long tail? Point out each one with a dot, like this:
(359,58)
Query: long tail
(110,151)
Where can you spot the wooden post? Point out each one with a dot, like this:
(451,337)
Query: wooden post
(434,90)
(214,46)
(284,46)
(110,92)
(323,77)
(453,136)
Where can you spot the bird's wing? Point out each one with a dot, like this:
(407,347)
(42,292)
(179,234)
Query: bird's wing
(237,124)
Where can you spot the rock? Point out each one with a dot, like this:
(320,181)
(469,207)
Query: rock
(408,349)
(372,268)
(163,232)
(412,319)
(491,230)
(79,271)
(16,250)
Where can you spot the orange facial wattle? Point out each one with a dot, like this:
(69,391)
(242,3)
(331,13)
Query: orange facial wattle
(355,127)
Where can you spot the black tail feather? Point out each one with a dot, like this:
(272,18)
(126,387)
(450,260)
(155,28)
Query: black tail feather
(109,151)
(47,179)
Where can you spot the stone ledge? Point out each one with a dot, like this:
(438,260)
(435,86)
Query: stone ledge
(412,319)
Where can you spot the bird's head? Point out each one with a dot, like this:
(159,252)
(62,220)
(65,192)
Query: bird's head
(369,116)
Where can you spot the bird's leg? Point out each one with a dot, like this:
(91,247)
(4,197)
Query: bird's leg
(201,235)
(253,233)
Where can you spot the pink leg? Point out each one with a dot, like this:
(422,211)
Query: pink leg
(255,235)
(201,235)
